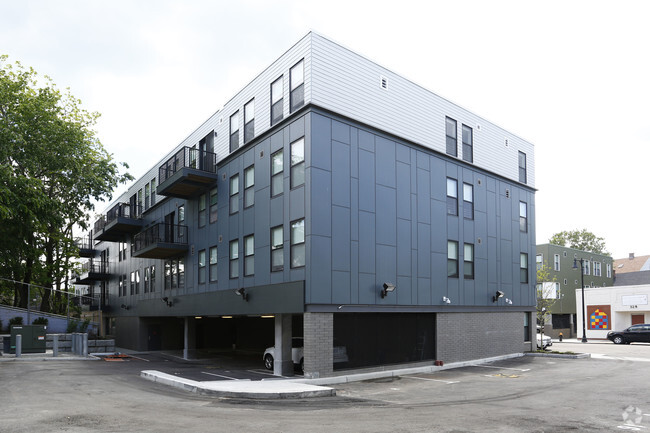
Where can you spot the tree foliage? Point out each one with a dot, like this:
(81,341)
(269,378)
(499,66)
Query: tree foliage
(581,240)
(52,170)
(544,288)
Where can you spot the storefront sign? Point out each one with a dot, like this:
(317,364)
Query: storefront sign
(630,300)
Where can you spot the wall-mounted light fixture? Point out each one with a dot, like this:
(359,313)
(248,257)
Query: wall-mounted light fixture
(446,300)
(124,307)
(388,287)
(167,301)
(508,301)
(497,295)
(242,292)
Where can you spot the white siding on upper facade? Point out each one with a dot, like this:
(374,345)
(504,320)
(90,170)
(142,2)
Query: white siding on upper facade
(349,84)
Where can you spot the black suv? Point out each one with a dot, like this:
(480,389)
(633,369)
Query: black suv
(633,334)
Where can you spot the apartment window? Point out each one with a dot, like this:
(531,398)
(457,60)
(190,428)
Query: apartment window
(249,183)
(202,267)
(597,270)
(277,169)
(298,243)
(152,276)
(147,193)
(234,194)
(120,287)
(174,274)
(277,248)
(452,196)
(468,201)
(234,131)
(249,255)
(451,133)
(121,253)
(468,261)
(556,262)
(539,260)
(146,280)
(586,267)
(468,144)
(452,259)
(132,291)
(249,121)
(138,209)
(522,167)
(297,85)
(298,163)
(609,270)
(213,205)
(137,282)
(523,268)
(202,209)
(153,191)
(526,326)
(234,258)
(276,101)
(181,214)
(213,264)
(523,217)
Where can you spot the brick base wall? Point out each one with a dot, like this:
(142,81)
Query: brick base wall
(319,343)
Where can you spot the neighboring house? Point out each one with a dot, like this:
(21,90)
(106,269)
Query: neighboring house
(564,280)
(632,264)
(329,199)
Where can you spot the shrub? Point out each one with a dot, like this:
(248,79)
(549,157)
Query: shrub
(83,326)
(18,320)
(72,326)
(40,321)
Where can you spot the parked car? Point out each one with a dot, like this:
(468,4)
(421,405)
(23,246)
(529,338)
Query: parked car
(297,354)
(633,334)
(547,340)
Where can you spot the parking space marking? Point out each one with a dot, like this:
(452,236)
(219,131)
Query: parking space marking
(219,375)
(500,368)
(432,380)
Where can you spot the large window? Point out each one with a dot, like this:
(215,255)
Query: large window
(202,209)
(586,270)
(556,262)
(213,205)
(522,168)
(523,216)
(452,259)
(277,248)
(213,264)
(452,196)
(202,267)
(468,144)
(468,261)
(468,201)
(234,194)
(249,255)
(597,270)
(298,243)
(249,121)
(174,274)
(234,131)
(249,184)
(452,134)
(523,268)
(234,258)
(276,101)
(298,162)
(277,169)
(297,84)
(153,191)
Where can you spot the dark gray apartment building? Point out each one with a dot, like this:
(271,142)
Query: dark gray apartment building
(334,200)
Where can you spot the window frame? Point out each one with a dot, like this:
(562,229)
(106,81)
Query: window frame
(249,189)
(214,200)
(234,131)
(523,170)
(277,177)
(201,265)
(523,217)
(452,200)
(249,120)
(468,147)
(451,140)
(297,165)
(523,268)
(296,245)
(202,210)
(277,101)
(468,205)
(249,255)
(233,259)
(556,262)
(213,276)
(277,249)
(452,259)
(297,90)
(468,264)
(233,203)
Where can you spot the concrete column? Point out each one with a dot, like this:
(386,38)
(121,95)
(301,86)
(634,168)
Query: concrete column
(55,345)
(19,345)
(186,337)
(282,363)
(84,344)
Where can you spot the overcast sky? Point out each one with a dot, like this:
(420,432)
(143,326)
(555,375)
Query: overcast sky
(572,77)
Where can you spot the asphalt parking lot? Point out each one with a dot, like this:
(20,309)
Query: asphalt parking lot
(521,394)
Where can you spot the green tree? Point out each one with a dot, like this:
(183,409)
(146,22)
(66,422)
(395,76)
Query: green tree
(53,169)
(581,240)
(546,297)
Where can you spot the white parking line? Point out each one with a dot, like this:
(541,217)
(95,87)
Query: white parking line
(500,368)
(262,372)
(618,358)
(432,380)
(219,375)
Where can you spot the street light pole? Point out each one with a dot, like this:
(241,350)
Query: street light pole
(584,307)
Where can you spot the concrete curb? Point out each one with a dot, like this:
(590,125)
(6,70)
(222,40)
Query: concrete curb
(264,389)
(560,355)
(41,357)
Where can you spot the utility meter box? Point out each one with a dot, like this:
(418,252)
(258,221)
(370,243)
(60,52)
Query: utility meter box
(33,337)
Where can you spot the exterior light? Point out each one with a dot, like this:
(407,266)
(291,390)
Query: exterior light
(242,292)
(497,295)
(388,287)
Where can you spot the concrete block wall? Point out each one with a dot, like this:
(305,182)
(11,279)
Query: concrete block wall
(65,344)
(467,336)
(318,334)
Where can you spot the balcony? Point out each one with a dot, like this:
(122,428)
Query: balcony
(86,248)
(187,173)
(121,220)
(92,272)
(160,241)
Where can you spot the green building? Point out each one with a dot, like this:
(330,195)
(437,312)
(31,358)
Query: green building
(564,280)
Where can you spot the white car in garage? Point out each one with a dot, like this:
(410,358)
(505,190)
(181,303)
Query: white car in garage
(297,354)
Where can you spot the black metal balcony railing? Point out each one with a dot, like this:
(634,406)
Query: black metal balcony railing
(188,157)
(84,243)
(160,233)
(124,210)
(91,267)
